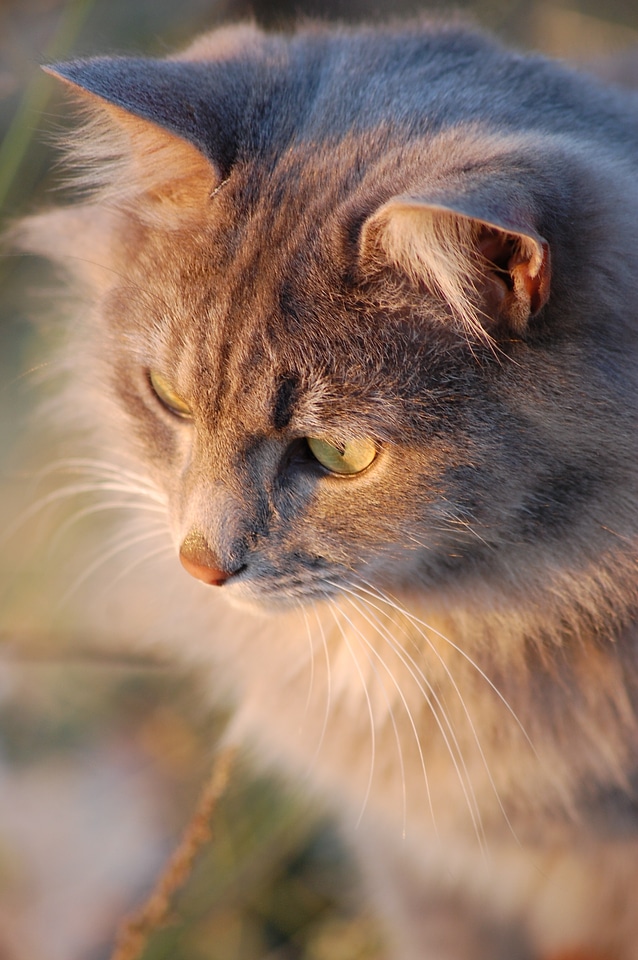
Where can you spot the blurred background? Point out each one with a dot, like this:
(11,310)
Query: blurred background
(103,750)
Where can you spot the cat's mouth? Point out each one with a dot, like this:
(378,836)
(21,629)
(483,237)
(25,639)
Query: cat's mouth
(277,595)
(257,581)
(264,590)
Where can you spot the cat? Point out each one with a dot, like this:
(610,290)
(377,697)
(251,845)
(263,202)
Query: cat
(363,322)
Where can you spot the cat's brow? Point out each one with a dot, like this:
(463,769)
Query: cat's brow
(284,402)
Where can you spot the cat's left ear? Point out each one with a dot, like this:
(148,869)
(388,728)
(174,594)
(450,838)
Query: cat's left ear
(145,138)
(493,271)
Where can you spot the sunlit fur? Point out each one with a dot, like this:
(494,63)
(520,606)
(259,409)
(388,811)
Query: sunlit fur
(414,237)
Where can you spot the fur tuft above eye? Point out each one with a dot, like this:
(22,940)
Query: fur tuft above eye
(350,458)
(167,396)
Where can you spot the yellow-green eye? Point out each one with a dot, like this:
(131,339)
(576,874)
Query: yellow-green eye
(353,457)
(165,393)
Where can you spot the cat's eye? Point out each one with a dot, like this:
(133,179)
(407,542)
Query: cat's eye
(351,457)
(168,397)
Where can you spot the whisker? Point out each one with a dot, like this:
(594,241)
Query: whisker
(417,739)
(165,549)
(324,644)
(61,494)
(102,507)
(397,738)
(25,374)
(440,715)
(102,473)
(312,659)
(98,467)
(467,525)
(373,743)
(121,545)
(469,719)
(394,603)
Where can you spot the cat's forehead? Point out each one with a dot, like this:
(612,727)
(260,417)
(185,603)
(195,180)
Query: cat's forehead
(272,264)
(249,317)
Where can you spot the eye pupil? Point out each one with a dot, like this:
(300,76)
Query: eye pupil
(347,459)
(165,393)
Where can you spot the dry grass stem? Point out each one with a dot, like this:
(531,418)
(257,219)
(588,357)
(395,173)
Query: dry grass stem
(135,930)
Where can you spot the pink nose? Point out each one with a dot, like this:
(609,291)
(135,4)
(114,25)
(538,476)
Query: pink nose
(211,575)
(199,560)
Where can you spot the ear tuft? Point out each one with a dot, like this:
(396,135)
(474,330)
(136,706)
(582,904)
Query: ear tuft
(490,274)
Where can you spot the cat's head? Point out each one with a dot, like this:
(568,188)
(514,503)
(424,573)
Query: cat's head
(325,311)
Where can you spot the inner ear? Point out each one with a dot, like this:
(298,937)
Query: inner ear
(169,171)
(516,274)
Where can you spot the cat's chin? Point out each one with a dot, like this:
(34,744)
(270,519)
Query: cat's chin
(272,599)
(263,605)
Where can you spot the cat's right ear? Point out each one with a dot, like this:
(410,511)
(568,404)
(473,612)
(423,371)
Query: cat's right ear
(492,270)
(140,144)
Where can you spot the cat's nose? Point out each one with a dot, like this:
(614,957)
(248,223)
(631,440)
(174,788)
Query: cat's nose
(198,559)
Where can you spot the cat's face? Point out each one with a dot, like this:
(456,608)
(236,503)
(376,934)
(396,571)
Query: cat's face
(313,421)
